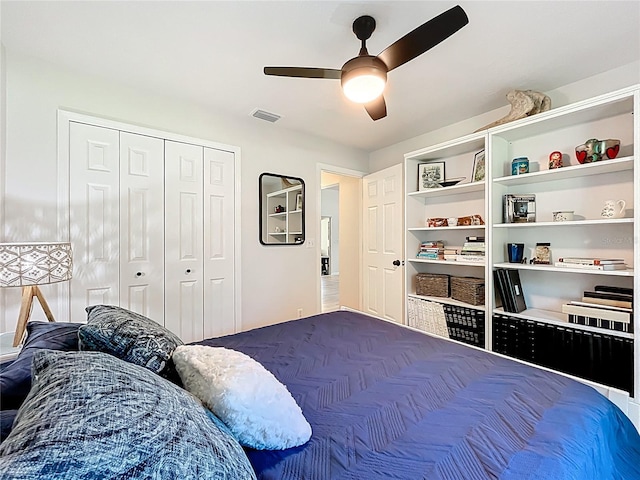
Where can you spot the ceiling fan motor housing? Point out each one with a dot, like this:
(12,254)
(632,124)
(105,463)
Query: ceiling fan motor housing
(363,65)
(363,78)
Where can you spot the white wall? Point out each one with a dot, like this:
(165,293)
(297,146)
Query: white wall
(276,281)
(590,87)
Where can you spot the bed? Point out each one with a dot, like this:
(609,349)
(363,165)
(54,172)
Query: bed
(388,402)
(365,399)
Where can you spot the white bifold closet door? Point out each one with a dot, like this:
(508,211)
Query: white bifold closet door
(184,272)
(199,267)
(116,204)
(152,229)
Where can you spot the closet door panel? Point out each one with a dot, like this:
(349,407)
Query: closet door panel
(184,240)
(142,225)
(219,243)
(93,216)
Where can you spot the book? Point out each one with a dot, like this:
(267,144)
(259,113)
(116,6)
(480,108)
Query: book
(474,238)
(610,289)
(470,258)
(613,315)
(515,290)
(600,323)
(585,266)
(613,299)
(432,244)
(474,245)
(601,306)
(591,261)
(609,295)
(497,281)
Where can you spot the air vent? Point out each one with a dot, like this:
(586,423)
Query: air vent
(264,115)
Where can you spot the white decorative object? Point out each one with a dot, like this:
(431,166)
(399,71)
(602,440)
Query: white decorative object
(563,216)
(614,209)
(524,103)
(28,265)
(257,408)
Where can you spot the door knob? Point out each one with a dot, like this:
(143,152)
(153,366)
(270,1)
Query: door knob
(139,274)
(396,263)
(188,271)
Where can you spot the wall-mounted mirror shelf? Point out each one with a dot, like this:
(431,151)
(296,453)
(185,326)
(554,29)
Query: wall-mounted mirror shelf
(281,209)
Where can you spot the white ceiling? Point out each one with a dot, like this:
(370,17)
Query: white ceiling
(213,52)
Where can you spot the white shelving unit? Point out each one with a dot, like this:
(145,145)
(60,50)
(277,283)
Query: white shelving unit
(581,188)
(461,200)
(285,226)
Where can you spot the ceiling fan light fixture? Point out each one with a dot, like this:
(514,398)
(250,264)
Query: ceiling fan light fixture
(363,79)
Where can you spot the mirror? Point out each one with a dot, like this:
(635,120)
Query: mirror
(281,209)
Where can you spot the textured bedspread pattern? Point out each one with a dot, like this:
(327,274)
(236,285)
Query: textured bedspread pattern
(386,402)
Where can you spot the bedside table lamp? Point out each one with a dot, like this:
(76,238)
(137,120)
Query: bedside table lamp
(28,265)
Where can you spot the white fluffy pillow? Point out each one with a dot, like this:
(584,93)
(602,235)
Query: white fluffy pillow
(256,407)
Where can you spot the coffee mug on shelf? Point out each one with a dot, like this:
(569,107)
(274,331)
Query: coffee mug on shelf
(515,252)
(614,209)
(563,216)
(519,166)
(452,221)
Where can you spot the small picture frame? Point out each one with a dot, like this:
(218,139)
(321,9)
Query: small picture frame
(543,254)
(299,201)
(430,175)
(519,208)
(477,174)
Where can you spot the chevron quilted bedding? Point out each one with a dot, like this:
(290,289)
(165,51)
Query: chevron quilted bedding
(386,402)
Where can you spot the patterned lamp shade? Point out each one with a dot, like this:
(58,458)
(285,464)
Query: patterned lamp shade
(23,264)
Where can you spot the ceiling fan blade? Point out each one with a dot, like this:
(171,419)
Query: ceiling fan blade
(304,72)
(426,36)
(376,109)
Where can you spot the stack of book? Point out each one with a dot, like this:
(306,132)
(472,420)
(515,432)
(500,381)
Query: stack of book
(507,282)
(450,253)
(472,250)
(604,307)
(591,263)
(431,250)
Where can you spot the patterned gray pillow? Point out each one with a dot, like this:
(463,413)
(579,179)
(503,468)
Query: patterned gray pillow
(90,415)
(129,336)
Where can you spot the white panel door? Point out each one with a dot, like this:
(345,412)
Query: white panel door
(142,225)
(219,243)
(93,216)
(184,251)
(383,279)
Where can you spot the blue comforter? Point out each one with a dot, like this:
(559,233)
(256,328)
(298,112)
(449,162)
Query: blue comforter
(386,402)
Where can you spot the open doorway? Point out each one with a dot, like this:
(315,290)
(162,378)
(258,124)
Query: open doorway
(330,247)
(340,241)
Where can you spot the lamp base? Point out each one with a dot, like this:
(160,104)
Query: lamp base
(25,311)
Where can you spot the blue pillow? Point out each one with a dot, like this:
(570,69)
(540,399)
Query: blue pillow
(6,422)
(15,379)
(90,415)
(129,336)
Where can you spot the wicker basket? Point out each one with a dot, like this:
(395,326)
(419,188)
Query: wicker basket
(468,289)
(432,284)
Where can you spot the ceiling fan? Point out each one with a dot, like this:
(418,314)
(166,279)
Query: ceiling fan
(364,77)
